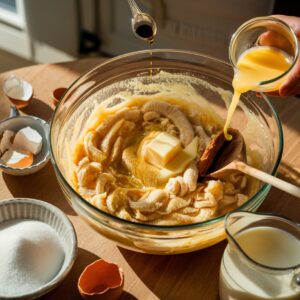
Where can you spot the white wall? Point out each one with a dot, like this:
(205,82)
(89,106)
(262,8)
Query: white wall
(199,25)
(51,30)
(49,33)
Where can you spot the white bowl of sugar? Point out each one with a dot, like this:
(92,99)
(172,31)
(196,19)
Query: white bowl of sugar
(38,248)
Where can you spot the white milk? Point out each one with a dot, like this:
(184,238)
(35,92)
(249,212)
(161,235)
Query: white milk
(269,246)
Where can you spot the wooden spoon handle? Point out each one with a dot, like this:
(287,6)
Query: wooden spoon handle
(280,184)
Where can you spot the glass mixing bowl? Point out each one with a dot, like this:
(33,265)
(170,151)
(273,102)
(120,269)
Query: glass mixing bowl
(211,78)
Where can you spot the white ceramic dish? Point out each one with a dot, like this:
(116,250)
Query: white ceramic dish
(31,209)
(16,123)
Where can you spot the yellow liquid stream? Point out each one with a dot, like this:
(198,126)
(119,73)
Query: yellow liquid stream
(256,65)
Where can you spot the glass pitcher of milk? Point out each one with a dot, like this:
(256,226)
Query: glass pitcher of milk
(262,258)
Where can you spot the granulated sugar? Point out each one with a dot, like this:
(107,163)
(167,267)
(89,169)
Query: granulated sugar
(31,255)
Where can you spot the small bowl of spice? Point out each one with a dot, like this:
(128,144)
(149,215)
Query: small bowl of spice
(57,94)
(38,248)
(24,145)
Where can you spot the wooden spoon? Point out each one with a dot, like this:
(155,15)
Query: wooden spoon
(232,157)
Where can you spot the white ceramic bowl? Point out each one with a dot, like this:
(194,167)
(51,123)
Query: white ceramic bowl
(31,209)
(16,123)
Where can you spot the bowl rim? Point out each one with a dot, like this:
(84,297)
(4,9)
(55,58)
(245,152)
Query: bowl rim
(154,227)
(46,127)
(61,276)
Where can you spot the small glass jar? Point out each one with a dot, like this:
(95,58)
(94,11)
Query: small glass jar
(265,31)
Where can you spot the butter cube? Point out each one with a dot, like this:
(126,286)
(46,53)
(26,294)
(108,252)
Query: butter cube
(162,149)
(28,139)
(181,160)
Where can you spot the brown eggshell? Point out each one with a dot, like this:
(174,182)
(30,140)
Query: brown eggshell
(101,280)
(19,103)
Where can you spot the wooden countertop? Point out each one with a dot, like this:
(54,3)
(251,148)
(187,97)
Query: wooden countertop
(186,276)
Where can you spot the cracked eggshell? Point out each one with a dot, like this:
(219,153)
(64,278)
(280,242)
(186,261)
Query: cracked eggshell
(14,124)
(101,280)
(18,91)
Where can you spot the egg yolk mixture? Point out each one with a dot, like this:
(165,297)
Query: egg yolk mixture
(254,67)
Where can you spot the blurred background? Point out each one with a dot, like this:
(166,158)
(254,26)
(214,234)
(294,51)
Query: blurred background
(47,31)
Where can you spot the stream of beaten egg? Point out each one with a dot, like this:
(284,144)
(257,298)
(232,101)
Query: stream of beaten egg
(256,65)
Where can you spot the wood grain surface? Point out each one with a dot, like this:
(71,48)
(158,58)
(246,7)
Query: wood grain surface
(186,276)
